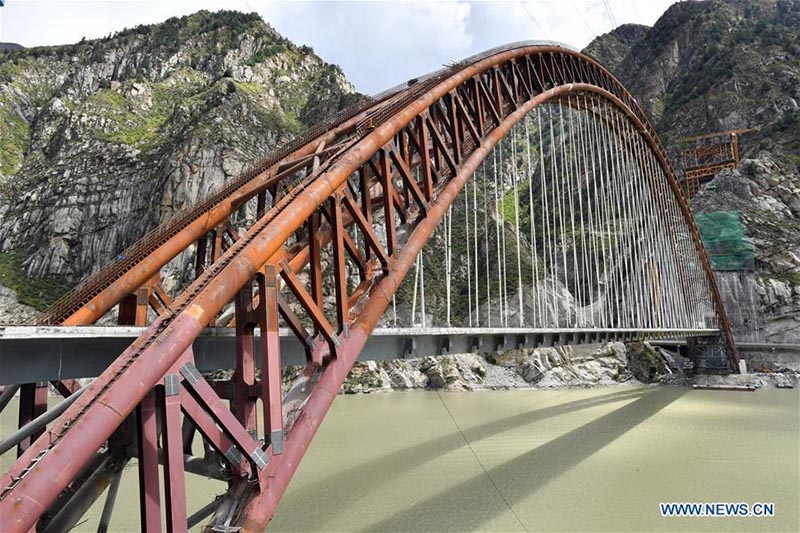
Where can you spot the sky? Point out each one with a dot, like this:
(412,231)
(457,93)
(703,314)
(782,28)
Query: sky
(377,44)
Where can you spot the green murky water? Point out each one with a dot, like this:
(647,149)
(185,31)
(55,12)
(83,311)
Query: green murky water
(571,460)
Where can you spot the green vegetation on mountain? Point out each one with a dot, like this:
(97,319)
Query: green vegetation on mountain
(35,292)
(725,64)
(104,139)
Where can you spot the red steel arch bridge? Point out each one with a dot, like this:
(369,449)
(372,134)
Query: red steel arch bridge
(553,216)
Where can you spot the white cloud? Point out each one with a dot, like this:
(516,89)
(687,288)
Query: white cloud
(377,44)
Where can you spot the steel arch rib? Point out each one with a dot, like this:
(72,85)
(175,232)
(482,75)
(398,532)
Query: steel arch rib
(28,490)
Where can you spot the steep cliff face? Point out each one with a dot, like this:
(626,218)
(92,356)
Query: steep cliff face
(720,64)
(763,305)
(613,48)
(715,65)
(103,140)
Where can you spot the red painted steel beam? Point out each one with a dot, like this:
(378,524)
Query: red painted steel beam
(244,376)
(195,231)
(315,258)
(149,494)
(365,225)
(271,393)
(213,434)
(28,492)
(32,404)
(408,180)
(204,395)
(174,476)
(339,269)
(259,510)
(387,184)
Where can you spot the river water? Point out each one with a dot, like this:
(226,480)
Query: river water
(535,460)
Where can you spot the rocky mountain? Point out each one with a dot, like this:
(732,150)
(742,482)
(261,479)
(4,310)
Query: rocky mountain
(613,48)
(723,64)
(105,139)
(716,65)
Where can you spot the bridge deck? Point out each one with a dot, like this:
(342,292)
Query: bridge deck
(43,353)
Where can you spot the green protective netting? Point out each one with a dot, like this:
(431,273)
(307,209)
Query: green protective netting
(723,237)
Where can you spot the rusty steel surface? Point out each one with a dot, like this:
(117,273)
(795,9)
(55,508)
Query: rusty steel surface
(702,162)
(444,125)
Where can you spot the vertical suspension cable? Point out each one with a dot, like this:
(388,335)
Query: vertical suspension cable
(497,234)
(665,282)
(587,219)
(671,244)
(547,249)
(645,235)
(422,287)
(486,233)
(553,234)
(640,244)
(651,276)
(621,191)
(647,238)
(658,288)
(536,320)
(684,299)
(682,235)
(663,260)
(635,257)
(502,221)
(515,177)
(572,171)
(475,249)
(559,190)
(621,253)
(448,222)
(546,246)
(638,259)
(414,297)
(469,255)
(586,215)
(601,217)
(630,186)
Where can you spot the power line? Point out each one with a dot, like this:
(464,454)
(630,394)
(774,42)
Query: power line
(610,13)
(546,36)
(586,22)
(635,9)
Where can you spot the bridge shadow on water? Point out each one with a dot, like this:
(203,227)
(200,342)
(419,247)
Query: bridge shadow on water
(340,490)
(521,477)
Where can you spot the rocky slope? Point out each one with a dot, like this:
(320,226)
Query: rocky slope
(703,67)
(581,366)
(103,140)
(764,305)
(722,64)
